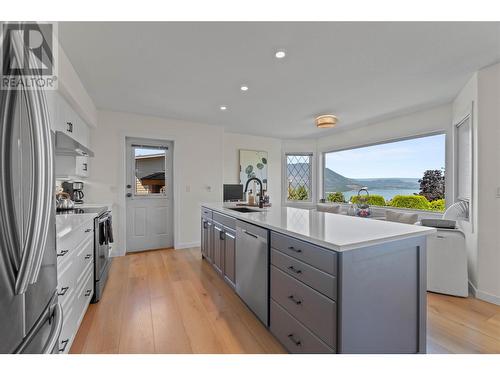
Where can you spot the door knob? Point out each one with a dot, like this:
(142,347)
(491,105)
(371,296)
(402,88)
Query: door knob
(129,195)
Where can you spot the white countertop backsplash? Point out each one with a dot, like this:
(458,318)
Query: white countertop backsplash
(333,231)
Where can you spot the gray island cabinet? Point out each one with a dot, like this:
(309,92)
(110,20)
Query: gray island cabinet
(365,293)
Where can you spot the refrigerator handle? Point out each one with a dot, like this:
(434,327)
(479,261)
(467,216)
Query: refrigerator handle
(46,188)
(9,240)
(53,314)
(41,203)
(56,330)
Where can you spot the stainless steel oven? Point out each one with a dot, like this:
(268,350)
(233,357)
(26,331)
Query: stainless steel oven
(103,232)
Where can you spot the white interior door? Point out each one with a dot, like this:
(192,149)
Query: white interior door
(149,194)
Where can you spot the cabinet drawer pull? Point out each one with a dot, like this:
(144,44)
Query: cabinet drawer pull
(440,237)
(88,230)
(87,292)
(292,338)
(294,270)
(64,345)
(294,249)
(63,291)
(62,253)
(88,256)
(293,299)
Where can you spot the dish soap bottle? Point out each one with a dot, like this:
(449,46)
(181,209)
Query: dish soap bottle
(251,198)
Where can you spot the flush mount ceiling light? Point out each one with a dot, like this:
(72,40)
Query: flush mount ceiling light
(280,54)
(223,107)
(244,88)
(326,121)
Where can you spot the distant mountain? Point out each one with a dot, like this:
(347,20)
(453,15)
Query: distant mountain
(336,182)
(390,183)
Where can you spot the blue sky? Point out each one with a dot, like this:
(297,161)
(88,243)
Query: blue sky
(147,151)
(405,159)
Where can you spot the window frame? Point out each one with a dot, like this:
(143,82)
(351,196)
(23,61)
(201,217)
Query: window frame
(135,146)
(322,167)
(456,197)
(285,178)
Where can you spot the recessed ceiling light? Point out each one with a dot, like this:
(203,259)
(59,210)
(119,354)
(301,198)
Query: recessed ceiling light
(326,121)
(223,107)
(244,88)
(280,54)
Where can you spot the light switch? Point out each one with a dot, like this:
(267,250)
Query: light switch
(188,188)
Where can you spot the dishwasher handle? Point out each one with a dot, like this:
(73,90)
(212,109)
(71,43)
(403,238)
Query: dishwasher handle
(250,234)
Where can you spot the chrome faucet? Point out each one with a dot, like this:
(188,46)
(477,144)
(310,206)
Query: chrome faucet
(261,195)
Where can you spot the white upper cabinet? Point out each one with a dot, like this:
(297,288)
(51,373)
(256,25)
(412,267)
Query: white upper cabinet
(69,122)
(51,97)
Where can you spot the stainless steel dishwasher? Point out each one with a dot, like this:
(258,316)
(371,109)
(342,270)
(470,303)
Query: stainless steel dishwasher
(252,268)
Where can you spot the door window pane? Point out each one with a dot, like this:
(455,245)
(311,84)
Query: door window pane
(149,171)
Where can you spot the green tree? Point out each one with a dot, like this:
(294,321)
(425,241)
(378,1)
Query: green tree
(417,202)
(298,194)
(438,205)
(374,200)
(336,197)
(432,185)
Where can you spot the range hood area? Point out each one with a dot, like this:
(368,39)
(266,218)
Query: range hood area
(67,146)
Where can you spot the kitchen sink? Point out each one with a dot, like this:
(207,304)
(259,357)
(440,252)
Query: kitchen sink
(242,209)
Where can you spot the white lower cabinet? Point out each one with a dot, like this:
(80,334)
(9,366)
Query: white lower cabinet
(75,274)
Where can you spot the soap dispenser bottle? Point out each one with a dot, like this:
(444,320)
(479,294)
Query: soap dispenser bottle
(251,198)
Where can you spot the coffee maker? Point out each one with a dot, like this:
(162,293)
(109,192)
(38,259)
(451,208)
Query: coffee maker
(75,190)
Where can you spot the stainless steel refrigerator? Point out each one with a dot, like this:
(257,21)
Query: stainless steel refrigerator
(30,316)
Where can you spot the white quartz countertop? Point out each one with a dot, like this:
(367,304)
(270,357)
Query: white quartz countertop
(333,231)
(66,223)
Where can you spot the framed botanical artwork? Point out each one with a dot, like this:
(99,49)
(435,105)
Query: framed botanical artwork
(253,164)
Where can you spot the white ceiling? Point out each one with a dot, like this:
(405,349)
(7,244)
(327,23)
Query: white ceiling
(358,71)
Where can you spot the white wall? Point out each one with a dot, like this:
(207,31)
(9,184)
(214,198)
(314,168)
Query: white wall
(73,90)
(488,181)
(233,142)
(198,166)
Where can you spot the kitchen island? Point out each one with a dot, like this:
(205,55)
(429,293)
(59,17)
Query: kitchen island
(322,282)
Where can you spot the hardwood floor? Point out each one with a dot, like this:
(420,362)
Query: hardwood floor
(169,301)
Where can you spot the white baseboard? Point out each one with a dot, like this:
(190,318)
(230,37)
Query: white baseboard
(472,289)
(488,297)
(187,245)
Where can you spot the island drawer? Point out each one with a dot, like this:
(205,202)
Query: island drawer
(312,309)
(206,213)
(293,335)
(323,259)
(225,220)
(316,279)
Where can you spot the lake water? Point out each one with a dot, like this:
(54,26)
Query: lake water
(388,194)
